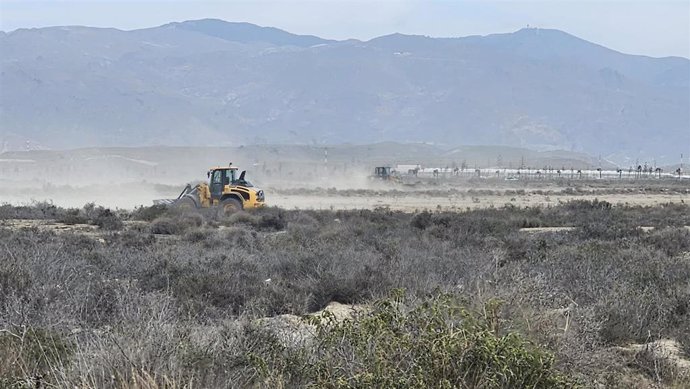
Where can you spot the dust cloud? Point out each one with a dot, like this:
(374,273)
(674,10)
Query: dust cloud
(307,177)
(128,178)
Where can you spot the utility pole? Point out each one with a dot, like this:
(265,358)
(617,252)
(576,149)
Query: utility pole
(325,159)
(680,169)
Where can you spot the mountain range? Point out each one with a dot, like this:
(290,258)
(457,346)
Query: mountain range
(212,82)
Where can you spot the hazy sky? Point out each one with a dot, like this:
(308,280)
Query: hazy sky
(650,27)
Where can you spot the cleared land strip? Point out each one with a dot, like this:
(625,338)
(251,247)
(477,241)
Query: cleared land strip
(410,202)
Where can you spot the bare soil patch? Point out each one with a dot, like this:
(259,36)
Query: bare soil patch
(51,225)
(412,201)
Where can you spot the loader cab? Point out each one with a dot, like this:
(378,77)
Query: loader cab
(382,172)
(218,178)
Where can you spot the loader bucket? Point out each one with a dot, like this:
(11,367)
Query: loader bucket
(187,189)
(164,201)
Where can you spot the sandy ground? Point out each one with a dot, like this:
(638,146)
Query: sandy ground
(442,197)
(411,201)
(404,202)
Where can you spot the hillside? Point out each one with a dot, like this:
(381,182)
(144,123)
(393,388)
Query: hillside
(211,82)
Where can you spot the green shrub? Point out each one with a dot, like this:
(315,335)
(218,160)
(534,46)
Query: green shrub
(437,343)
(31,353)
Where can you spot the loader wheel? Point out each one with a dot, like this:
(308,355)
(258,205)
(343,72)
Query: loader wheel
(185,204)
(231,205)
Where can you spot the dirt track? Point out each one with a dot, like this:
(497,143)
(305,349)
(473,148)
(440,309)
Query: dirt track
(412,201)
(396,198)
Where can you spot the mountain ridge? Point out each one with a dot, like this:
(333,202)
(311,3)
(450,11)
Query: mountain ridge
(209,81)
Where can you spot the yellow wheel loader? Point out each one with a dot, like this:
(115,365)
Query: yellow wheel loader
(385,173)
(224,189)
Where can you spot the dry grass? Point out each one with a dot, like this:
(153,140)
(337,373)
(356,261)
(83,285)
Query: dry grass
(127,308)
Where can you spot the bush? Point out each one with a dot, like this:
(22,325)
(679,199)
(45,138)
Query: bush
(176,306)
(107,220)
(240,237)
(165,226)
(356,288)
(41,210)
(266,219)
(196,235)
(190,220)
(672,241)
(435,343)
(177,224)
(272,222)
(148,213)
(421,220)
(661,369)
(133,240)
(33,352)
(242,217)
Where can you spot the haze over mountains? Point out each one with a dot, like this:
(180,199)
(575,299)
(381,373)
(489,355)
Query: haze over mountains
(211,82)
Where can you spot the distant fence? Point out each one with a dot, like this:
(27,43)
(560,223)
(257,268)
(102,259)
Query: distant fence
(541,174)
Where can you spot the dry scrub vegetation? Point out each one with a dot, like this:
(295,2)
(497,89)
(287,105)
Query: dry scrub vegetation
(163,299)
